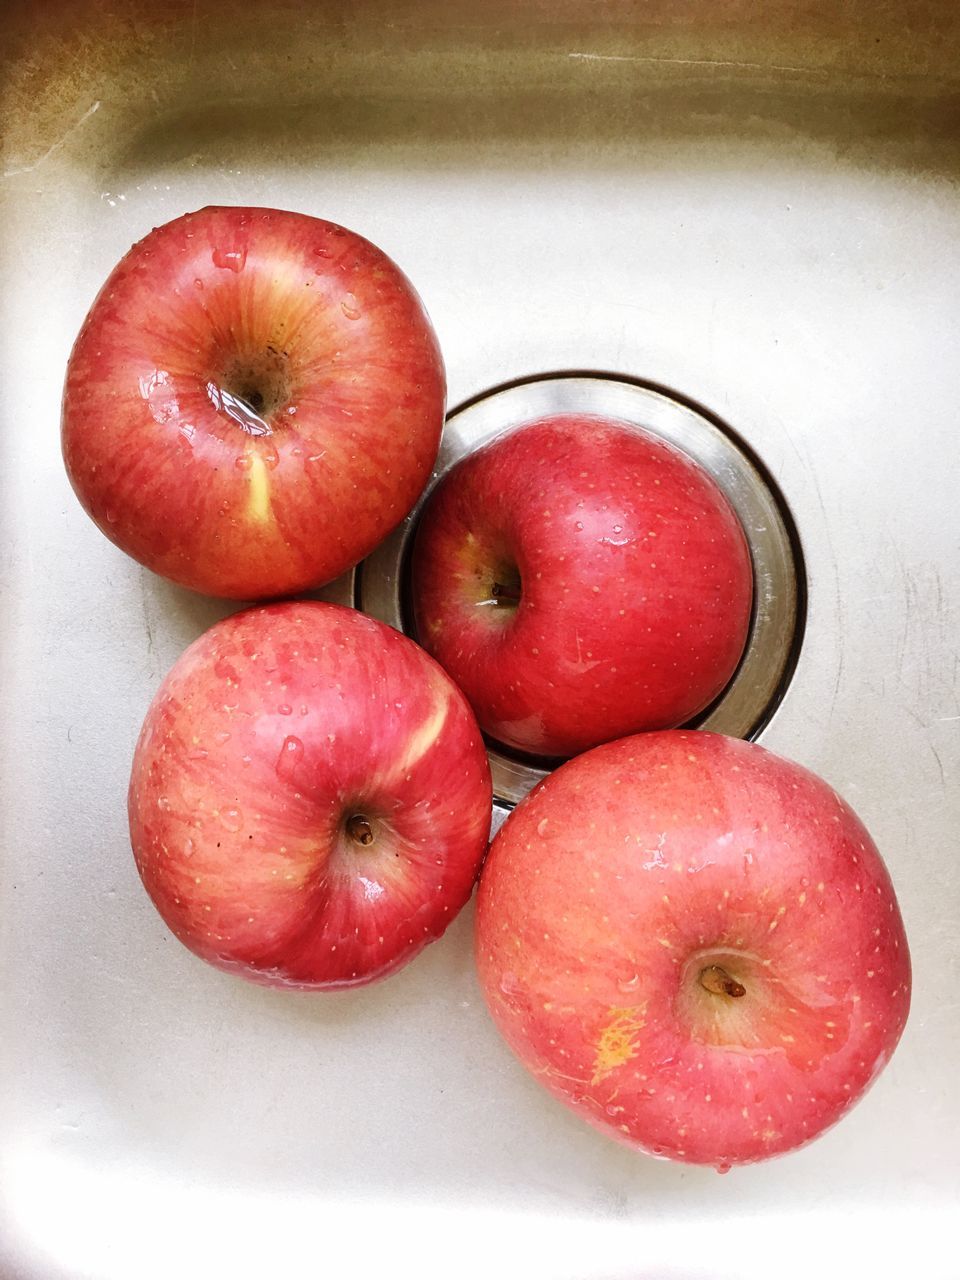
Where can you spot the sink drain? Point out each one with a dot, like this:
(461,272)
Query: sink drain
(776,626)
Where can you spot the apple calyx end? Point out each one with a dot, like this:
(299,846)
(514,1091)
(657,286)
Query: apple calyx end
(714,978)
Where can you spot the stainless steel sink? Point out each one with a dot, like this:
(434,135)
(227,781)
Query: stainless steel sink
(752,207)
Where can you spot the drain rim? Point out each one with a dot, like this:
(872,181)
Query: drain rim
(756,689)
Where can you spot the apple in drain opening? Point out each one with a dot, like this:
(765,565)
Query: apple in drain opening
(581,579)
(310,797)
(254,401)
(694,944)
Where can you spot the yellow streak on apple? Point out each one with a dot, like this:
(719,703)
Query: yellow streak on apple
(258,498)
(429,731)
(617,1042)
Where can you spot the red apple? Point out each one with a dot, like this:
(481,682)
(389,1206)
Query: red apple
(694,944)
(310,797)
(253,402)
(581,579)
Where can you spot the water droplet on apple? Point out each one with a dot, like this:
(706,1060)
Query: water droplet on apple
(629,984)
(270,456)
(723,1166)
(221,738)
(579,524)
(111,515)
(230,259)
(350,307)
(163,803)
(188,848)
(243,462)
(198,283)
(285,709)
(611,1109)
(509,984)
(231,819)
(291,753)
(148,384)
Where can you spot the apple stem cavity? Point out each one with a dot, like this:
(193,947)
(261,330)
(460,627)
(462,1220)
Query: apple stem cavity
(506,589)
(245,408)
(360,830)
(505,594)
(715,979)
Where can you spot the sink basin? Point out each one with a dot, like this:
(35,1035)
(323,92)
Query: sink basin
(751,207)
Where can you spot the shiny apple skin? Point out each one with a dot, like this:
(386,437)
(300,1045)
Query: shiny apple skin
(270,733)
(307,315)
(628,873)
(636,584)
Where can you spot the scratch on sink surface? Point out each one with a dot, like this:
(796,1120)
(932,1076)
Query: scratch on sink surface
(837,682)
(56,146)
(915,716)
(906,584)
(732,64)
(148,623)
(936,756)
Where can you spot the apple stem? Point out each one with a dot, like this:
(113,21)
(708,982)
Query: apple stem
(716,979)
(359,829)
(505,595)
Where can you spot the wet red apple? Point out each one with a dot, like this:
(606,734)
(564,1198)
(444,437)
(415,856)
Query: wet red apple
(255,399)
(581,579)
(694,944)
(310,797)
